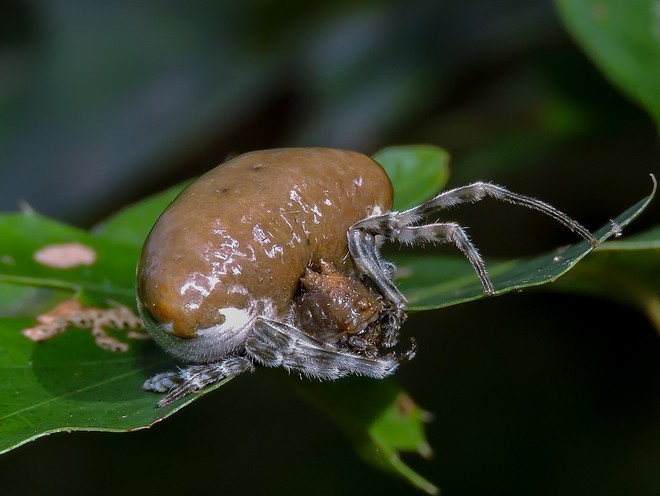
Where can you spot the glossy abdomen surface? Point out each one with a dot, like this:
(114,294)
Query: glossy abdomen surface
(236,242)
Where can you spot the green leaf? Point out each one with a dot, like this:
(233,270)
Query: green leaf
(418,171)
(623,38)
(68,383)
(112,273)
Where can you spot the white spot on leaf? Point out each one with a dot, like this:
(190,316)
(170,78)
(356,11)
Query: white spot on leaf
(65,255)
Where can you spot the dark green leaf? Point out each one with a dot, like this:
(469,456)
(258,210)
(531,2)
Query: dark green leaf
(622,38)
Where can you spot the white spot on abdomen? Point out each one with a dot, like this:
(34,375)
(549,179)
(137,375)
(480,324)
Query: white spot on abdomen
(236,318)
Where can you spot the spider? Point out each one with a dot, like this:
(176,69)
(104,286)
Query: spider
(272,259)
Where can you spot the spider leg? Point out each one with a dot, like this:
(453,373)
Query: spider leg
(447,232)
(409,227)
(193,378)
(363,247)
(478,191)
(276,344)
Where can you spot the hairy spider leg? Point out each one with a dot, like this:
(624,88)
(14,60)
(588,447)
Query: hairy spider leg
(275,344)
(192,378)
(363,247)
(403,227)
(478,191)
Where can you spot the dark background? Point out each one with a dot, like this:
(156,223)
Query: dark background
(103,103)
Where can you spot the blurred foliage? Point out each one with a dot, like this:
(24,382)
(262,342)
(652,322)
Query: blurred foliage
(623,38)
(99,118)
(101,105)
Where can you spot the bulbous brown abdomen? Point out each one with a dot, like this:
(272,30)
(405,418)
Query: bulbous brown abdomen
(242,235)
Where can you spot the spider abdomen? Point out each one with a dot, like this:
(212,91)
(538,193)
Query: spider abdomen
(234,245)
